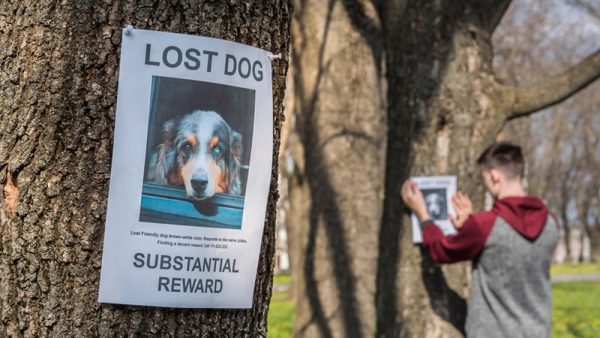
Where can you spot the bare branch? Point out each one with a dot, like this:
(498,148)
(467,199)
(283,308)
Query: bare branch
(590,7)
(527,100)
(491,12)
(363,15)
(365,18)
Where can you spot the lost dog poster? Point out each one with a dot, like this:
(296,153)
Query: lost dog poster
(190,173)
(437,192)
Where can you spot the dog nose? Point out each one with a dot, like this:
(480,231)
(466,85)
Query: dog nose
(199,183)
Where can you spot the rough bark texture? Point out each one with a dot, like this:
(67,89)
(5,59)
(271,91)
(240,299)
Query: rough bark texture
(58,80)
(339,148)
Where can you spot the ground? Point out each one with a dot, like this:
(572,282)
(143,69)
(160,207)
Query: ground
(576,309)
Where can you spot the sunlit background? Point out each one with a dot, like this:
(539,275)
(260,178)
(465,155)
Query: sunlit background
(535,39)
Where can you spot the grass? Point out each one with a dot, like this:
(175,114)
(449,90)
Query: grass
(574,269)
(281,312)
(576,309)
(282,279)
(575,306)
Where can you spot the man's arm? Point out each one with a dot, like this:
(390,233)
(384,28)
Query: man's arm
(472,230)
(413,198)
(466,244)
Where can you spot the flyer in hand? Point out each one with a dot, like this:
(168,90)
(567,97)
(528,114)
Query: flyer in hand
(437,192)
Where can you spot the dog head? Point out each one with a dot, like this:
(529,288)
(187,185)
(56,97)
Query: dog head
(202,153)
(434,204)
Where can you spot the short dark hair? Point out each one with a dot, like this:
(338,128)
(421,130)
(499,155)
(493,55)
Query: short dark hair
(504,156)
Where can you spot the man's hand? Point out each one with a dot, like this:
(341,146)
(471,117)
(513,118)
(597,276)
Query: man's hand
(413,198)
(463,207)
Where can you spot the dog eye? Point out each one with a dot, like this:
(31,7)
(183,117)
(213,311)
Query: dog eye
(187,147)
(216,151)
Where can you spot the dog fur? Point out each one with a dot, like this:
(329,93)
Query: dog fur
(434,205)
(201,153)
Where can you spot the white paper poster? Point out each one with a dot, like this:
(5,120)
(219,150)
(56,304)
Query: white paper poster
(190,173)
(437,192)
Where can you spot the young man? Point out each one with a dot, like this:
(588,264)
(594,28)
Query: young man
(511,248)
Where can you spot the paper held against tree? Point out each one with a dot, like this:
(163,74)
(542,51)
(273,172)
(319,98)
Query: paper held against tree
(437,192)
(190,173)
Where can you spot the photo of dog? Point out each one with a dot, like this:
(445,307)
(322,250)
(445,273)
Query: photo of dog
(435,200)
(201,153)
(198,150)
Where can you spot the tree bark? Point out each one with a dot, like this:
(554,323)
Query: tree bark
(59,67)
(441,115)
(555,89)
(339,147)
(594,236)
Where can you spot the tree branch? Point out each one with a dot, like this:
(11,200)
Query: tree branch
(590,7)
(527,100)
(490,12)
(363,15)
(365,18)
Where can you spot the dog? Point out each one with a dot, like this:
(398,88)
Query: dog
(434,205)
(200,152)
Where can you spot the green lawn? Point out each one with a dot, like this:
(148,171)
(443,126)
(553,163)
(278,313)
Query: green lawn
(575,269)
(281,315)
(576,309)
(576,306)
(282,279)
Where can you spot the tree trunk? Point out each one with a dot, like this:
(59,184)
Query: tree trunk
(337,189)
(594,235)
(590,225)
(444,105)
(59,66)
(442,114)
(566,225)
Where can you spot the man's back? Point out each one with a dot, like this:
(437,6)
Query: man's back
(511,247)
(510,292)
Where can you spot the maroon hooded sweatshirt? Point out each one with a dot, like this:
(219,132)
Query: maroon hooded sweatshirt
(527,215)
(511,248)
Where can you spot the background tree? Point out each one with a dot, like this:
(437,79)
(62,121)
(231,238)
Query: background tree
(444,104)
(58,80)
(561,146)
(339,151)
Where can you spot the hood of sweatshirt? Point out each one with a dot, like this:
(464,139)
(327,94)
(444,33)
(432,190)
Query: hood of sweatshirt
(527,215)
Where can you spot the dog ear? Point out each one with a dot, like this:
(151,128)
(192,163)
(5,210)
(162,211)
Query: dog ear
(169,131)
(236,148)
(166,153)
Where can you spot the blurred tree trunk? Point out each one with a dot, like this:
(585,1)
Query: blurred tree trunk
(593,233)
(444,105)
(588,188)
(58,74)
(591,225)
(564,215)
(442,114)
(337,186)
